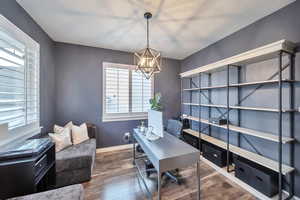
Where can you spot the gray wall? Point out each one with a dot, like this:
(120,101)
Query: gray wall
(17,15)
(79,88)
(283,24)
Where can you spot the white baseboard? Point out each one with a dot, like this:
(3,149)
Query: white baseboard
(250,189)
(114,148)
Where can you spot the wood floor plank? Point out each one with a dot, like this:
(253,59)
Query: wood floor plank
(115,178)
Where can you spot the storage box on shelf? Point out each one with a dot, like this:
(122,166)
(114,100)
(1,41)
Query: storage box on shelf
(259,177)
(192,140)
(214,154)
(264,161)
(271,51)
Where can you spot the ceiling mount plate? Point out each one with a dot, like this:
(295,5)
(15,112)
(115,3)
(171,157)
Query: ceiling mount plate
(148,15)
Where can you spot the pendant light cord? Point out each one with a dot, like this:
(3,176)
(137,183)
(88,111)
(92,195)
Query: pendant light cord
(147,33)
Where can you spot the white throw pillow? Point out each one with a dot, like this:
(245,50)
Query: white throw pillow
(79,134)
(61,140)
(59,129)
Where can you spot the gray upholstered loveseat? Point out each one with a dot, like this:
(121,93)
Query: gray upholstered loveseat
(75,164)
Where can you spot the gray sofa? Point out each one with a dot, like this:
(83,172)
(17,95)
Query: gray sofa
(73,192)
(75,164)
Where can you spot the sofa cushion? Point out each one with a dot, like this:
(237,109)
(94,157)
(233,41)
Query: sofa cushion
(79,133)
(76,156)
(62,140)
(59,129)
(74,192)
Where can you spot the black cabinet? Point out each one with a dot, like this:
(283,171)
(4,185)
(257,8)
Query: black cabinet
(22,176)
(257,176)
(214,154)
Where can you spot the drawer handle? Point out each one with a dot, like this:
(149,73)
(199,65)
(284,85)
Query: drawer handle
(260,179)
(215,155)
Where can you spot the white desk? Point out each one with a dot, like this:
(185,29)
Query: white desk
(166,154)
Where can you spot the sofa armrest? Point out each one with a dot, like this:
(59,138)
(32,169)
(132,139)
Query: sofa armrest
(92,130)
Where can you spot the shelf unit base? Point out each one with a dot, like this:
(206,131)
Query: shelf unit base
(237,181)
(266,162)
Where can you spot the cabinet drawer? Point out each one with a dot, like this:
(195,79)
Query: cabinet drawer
(40,165)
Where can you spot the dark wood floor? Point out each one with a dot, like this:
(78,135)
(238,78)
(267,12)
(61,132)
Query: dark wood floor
(114,178)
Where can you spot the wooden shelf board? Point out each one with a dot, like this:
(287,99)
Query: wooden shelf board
(258,82)
(190,89)
(247,131)
(240,107)
(240,84)
(191,104)
(260,109)
(267,162)
(266,52)
(213,87)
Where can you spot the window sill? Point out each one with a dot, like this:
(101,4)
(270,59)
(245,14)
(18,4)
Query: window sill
(124,118)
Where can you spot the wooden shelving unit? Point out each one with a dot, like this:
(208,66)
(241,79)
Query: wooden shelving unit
(274,50)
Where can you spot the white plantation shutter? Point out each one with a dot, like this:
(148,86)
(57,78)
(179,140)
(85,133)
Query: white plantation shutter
(19,78)
(32,88)
(126,93)
(141,92)
(117,90)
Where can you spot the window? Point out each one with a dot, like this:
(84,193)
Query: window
(126,93)
(19,79)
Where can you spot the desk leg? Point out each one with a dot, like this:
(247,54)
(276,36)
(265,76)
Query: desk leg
(198,180)
(133,161)
(159,185)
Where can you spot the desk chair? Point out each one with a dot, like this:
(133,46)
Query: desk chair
(174,127)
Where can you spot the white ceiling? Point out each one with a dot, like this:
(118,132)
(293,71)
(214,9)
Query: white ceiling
(178,28)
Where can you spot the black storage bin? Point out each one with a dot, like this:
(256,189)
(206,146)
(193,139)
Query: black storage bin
(257,176)
(243,171)
(192,140)
(214,154)
(265,180)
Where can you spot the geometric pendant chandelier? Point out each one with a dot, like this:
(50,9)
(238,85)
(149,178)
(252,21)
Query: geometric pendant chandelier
(147,60)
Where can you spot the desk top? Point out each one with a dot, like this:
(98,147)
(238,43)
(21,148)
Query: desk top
(168,152)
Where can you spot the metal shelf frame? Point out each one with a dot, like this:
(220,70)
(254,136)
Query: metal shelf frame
(225,112)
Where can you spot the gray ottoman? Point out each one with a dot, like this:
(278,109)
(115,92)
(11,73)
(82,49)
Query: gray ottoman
(73,192)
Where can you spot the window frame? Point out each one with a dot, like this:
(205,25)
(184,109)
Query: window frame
(111,117)
(28,130)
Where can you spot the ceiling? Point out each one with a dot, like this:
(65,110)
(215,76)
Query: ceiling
(178,27)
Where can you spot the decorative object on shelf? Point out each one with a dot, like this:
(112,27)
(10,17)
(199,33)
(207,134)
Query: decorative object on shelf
(148,60)
(155,102)
(218,121)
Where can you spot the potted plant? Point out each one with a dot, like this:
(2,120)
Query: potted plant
(155,102)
